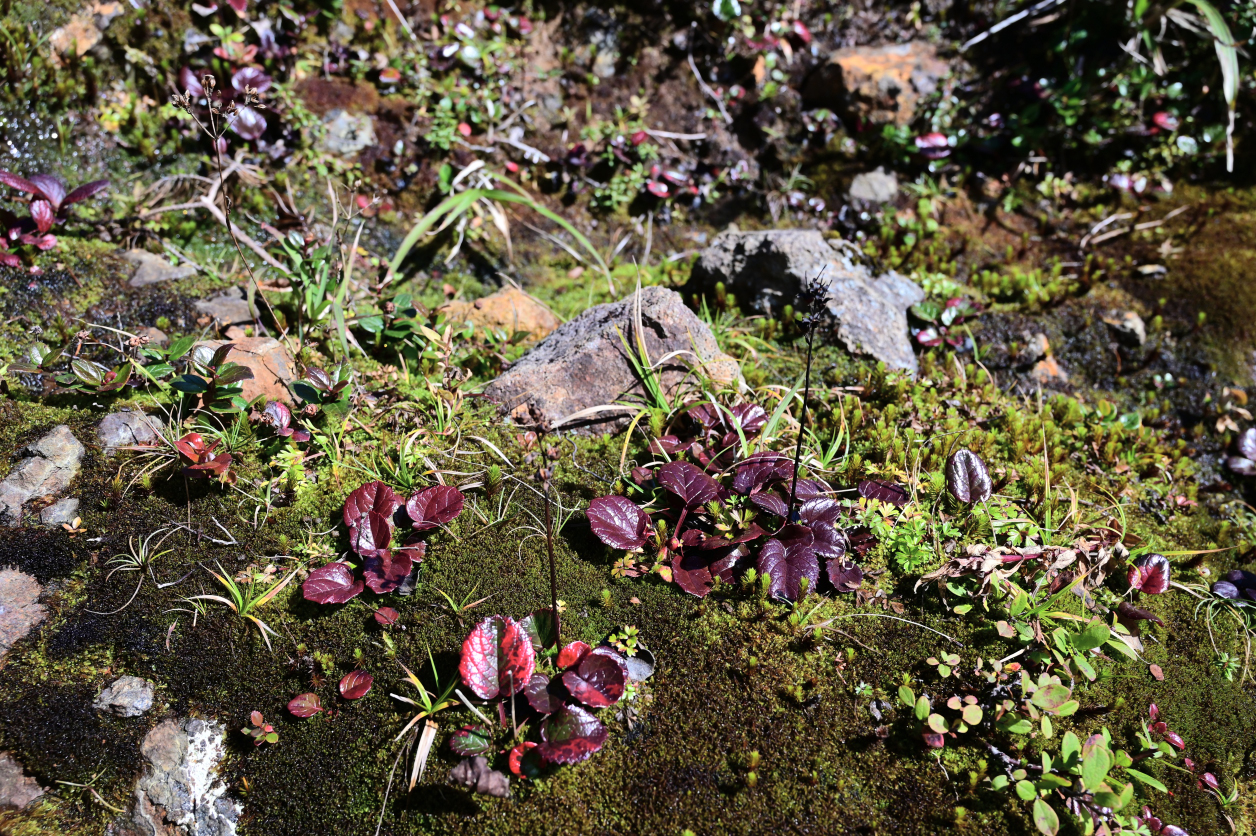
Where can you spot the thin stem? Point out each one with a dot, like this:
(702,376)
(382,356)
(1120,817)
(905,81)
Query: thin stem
(802,424)
(549,542)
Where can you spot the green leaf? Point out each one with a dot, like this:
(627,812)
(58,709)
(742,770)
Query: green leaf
(1069,708)
(90,373)
(232,373)
(1047,730)
(922,707)
(1146,779)
(1045,819)
(371,324)
(191,384)
(1026,791)
(1083,665)
(1070,747)
(1095,634)
(906,695)
(1095,766)
(937,723)
(180,347)
(1019,603)
(1051,696)
(1016,725)
(972,714)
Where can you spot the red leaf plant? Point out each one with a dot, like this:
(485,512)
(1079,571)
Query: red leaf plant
(203,459)
(47,205)
(370,515)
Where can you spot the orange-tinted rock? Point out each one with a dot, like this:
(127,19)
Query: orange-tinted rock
(509,310)
(879,84)
(1049,373)
(272,366)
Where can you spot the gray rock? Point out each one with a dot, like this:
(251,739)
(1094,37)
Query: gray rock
(347,134)
(767,270)
(1128,327)
(151,269)
(584,363)
(128,696)
(475,774)
(17,789)
(180,793)
(227,308)
(874,186)
(61,511)
(52,464)
(156,337)
(1034,349)
(20,610)
(126,428)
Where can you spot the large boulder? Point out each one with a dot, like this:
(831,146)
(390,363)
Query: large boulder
(877,84)
(20,610)
(585,363)
(508,310)
(767,270)
(272,366)
(52,463)
(180,793)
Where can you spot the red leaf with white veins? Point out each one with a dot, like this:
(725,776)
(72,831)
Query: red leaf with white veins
(497,658)
(1150,573)
(356,685)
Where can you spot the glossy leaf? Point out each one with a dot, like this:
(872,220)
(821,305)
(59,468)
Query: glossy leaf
(305,705)
(332,584)
(599,679)
(385,571)
(761,469)
(42,215)
(571,735)
(51,188)
(884,491)
(386,616)
(967,477)
(85,191)
(618,522)
(433,507)
(690,484)
(695,569)
(844,575)
(545,695)
(788,558)
(1247,443)
(523,760)
(770,502)
(1045,818)
(571,654)
(821,509)
(540,628)
(1150,574)
(1130,612)
(470,741)
(373,497)
(371,535)
(356,684)
(497,658)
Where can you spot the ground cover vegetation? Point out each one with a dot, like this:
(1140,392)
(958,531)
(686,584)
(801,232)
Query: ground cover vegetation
(827,596)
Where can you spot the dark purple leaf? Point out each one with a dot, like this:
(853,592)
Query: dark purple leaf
(830,541)
(356,684)
(545,695)
(824,509)
(332,584)
(1129,612)
(808,489)
(51,188)
(250,77)
(42,215)
(618,522)
(470,741)
(249,123)
(750,417)
(860,540)
(1225,589)
(1150,573)
(689,483)
(788,558)
(434,506)
(571,735)
(1241,578)
(695,570)
(761,469)
(385,571)
(770,502)
(386,616)
(497,658)
(1247,443)
(599,679)
(19,183)
(668,444)
(372,497)
(277,415)
(85,191)
(967,477)
(372,535)
(1175,740)
(750,534)
(305,705)
(191,82)
(1241,466)
(844,575)
(884,491)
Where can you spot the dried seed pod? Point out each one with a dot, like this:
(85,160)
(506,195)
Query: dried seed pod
(967,477)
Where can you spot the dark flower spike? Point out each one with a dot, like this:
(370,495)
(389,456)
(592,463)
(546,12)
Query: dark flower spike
(497,658)
(1150,573)
(967,477)
(618,522)
(571,735)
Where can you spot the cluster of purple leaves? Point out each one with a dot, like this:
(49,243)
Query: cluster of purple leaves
(1244,463)
(1238,584)
(795,550)
(370,514)
(47,204)
(279,417)
(499,662)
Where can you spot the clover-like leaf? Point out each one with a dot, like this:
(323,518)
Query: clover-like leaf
(305,705)
(571,735)
(788,558)
(497,658)
(356,684)
(432,507)
(689,483)
(618,522)
(332,584)
(470,741)
(1150,573)
(884,491)
(967,477)
(599,679)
